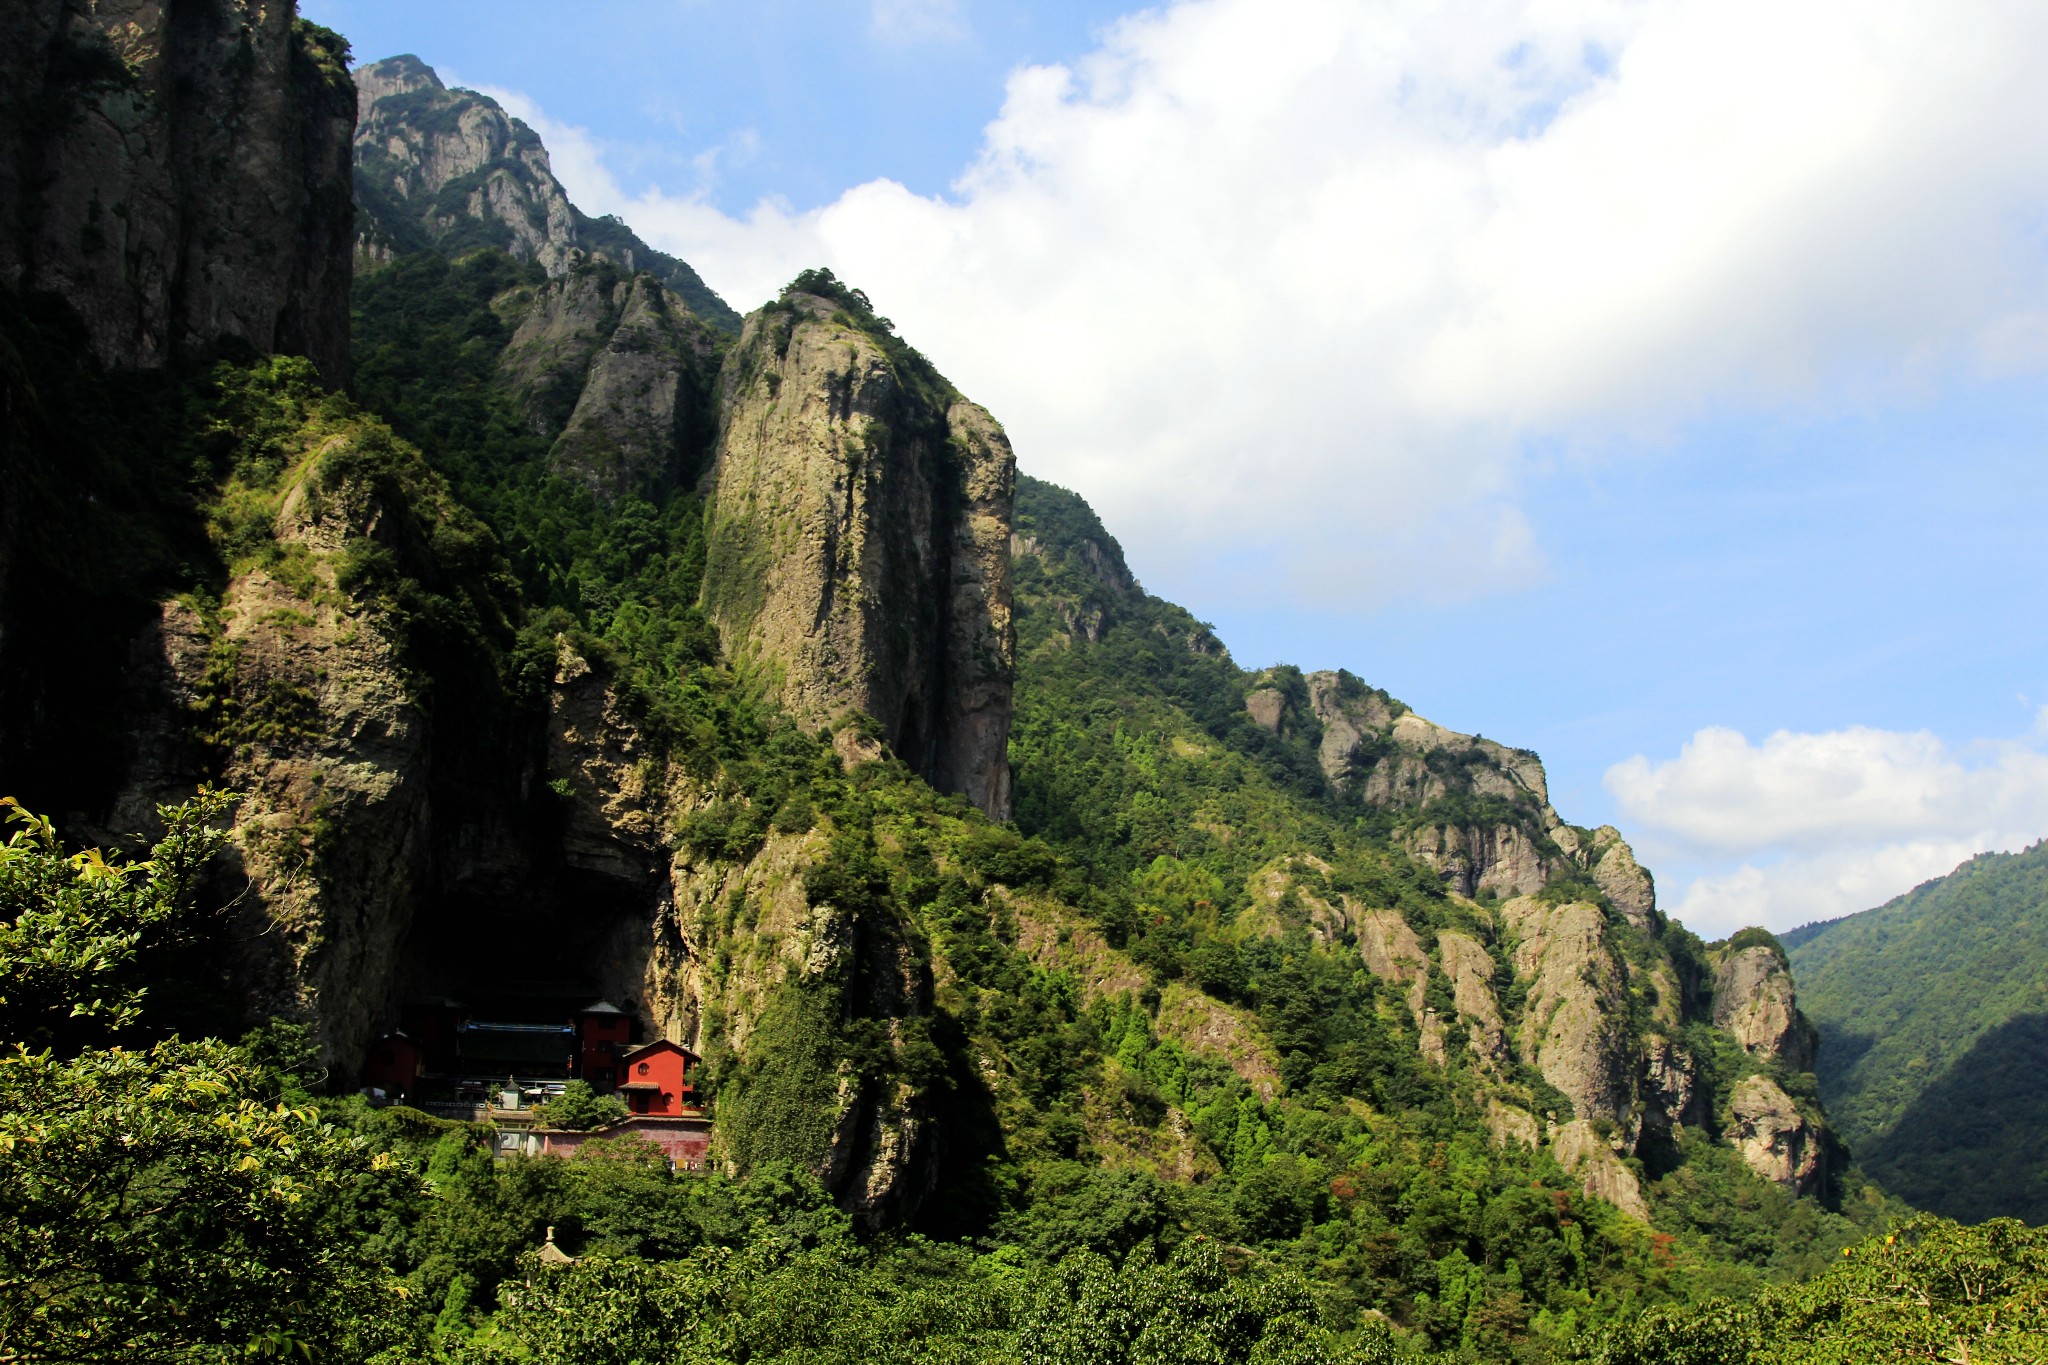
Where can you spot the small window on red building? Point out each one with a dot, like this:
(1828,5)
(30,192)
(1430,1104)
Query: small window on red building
(643,1068)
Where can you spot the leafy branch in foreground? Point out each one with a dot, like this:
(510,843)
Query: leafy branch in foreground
(72,927)
(1930,1290)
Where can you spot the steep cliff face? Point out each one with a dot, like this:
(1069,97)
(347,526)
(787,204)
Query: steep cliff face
(292,691)
(618,371)
(1477,811)
(859,542)
(451,170)
(179,175)
(1754,1003)
(1778,1142)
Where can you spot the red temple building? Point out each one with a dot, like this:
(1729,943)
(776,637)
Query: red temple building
(495,1059)
(655,1078)
(603,1032)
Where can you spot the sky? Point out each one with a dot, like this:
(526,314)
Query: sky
(1656,384)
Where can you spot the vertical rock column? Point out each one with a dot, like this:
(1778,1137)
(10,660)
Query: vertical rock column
(859,542)
(180,175)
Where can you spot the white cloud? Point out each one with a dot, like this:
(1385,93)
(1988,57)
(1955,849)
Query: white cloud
(1827,824)
(1293,282)
(917,21)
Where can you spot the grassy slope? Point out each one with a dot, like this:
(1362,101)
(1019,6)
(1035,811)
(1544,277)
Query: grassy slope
(1933,1012)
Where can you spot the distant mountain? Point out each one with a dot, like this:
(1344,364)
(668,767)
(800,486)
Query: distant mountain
(1933,1016)
(450,170)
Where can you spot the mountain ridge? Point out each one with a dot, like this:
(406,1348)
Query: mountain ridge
(1930,1008)
(451,170)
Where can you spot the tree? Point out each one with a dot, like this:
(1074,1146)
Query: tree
(179,1201)
(580,1107)
(160,1205)
(73,927)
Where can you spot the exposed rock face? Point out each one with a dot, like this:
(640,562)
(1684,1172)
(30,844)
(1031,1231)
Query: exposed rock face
(1753,1001)
(1625,882)
(451,169)
(416,139)
(1392,757)
(1499,860)
(859,544)
(619,371)
(714,982)
(1470,969)
(179,175)
(1574,1025)
(1394,954)
(1579,1149)
(315,724)
(1775,1139)
(1375,749)
(1670,1089)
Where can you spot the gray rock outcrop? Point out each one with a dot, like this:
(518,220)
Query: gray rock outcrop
(179,175)
(859,543)
(305,709)
(1470,969)
(1478,811)
(1602,1174)
(451,169)
(1575,1023)
(1621,878)
(618,371)
(1775,1140)
(1755,1004)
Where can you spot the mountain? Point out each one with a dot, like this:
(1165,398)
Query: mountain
(1933,1018)
(451,170)
(1527,954)
(588,650)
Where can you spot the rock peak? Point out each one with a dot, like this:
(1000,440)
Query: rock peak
(400,75)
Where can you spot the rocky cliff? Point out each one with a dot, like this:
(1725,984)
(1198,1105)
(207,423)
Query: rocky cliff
(1476,810)
(618,372)
(179,176)
(859,540)
(1539,972)
(1754,1003)
(451,170)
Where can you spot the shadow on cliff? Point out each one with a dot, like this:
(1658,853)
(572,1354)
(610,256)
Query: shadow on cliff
(97,520)
(1969,1147)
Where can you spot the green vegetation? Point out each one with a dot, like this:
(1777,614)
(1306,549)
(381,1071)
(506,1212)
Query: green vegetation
(171,1201)
(1933,1020)
(578,1106)
(1930,1290)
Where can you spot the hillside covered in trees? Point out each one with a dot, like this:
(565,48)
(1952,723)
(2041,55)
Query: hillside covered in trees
(1933,1017)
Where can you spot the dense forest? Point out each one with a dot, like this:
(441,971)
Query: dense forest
(1205,1046)
(1934,1022)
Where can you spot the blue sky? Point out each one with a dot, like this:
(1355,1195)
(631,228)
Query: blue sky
(1657,386)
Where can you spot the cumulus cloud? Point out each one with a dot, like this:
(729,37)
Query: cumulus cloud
(1821,825)
(1290,286)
